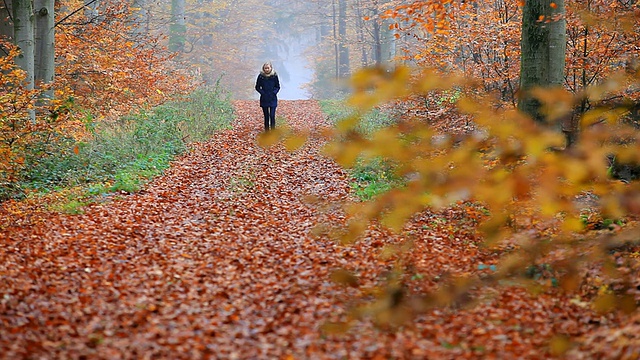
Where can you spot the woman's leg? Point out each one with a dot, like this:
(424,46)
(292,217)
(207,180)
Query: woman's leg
(265,111)
(272,117)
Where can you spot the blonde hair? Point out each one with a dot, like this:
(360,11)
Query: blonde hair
(270,65)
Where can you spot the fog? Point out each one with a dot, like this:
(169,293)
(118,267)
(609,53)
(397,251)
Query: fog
(292,66)
(295,69)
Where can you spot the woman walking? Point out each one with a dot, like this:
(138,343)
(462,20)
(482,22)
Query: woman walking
(268,86)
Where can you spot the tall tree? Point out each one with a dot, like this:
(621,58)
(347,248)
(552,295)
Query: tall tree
(543,48)
(343,49)
(140,15)
(23,31)
(44,57)
(178,27)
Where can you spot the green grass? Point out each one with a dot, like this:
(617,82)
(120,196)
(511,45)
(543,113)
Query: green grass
(374,177)
(336,110)
(123,155)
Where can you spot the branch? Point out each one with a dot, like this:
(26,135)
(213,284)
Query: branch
(74,12)
(6,6)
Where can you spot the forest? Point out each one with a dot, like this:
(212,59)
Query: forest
(447,179)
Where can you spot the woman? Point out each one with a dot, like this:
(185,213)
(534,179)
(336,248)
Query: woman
(268,86)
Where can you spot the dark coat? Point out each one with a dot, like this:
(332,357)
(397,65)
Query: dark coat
(268,87)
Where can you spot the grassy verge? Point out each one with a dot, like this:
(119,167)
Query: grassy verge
(374,177)
(121,156)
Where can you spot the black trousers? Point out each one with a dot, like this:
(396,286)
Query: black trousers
(269,117)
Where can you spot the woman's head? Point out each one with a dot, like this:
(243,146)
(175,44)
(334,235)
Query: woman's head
(267,68)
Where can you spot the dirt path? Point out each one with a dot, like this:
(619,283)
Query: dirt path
(216,259)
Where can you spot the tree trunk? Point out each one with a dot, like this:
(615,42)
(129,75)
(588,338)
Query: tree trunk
(377,43)
(360,31)
(45,45)
(140,17)
(178,27)
(23,32)
(543,48)
(343,49)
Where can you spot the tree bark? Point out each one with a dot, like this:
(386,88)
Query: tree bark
(23,32)
(343,49)
(44,45)
(377,43)
(178,27)
(543,47)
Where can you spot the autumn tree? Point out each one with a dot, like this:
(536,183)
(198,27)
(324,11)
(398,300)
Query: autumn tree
(128,69)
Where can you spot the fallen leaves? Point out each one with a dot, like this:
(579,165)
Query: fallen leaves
(219,258)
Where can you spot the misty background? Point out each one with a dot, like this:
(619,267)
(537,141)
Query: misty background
(311,43)
(290,62)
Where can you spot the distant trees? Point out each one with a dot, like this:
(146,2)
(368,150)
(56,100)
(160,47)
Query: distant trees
(351,34)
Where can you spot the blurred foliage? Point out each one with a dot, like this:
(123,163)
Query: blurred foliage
(371,177)
(370,122)
(516,171)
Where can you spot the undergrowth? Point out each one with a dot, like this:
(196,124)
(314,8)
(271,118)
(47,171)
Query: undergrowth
(374,177)
(122,155)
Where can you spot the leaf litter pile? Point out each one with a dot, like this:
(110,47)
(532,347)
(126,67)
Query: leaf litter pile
(221,257)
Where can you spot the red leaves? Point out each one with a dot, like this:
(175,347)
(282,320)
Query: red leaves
(217,259)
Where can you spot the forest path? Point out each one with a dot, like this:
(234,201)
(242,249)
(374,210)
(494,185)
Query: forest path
(216,259)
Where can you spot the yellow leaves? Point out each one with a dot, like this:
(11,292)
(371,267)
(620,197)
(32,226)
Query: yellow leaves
(295,142)
(559,345)
(572,224)
(345,154)
(376,85)
(575,171)
(556,102)
(595,116)
(605,302)
(344,277)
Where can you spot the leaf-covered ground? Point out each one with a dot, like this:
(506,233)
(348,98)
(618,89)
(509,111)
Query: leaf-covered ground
(220,258)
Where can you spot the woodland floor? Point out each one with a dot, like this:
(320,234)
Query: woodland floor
(217,259)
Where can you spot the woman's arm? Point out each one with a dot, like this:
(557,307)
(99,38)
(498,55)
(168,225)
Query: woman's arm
(259,85)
